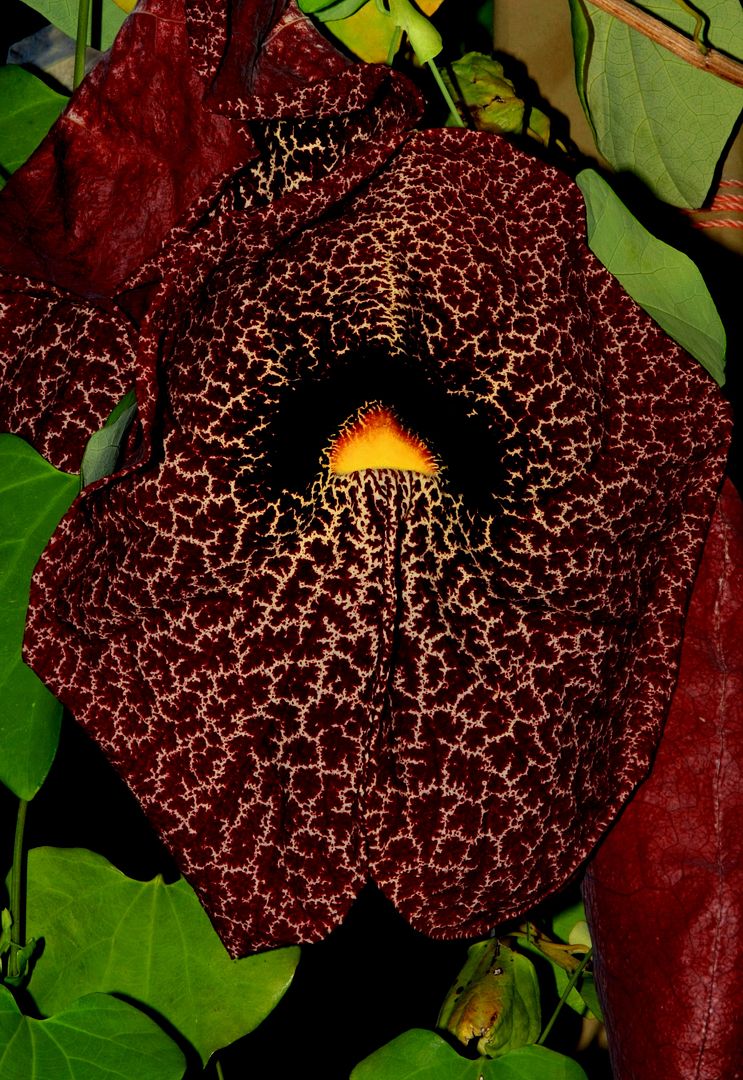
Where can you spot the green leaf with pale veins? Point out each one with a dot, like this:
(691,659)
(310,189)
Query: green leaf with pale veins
(63,15)
(95,1038)
(28,108)
(416,1055)
(533,1063)
(148,941)
(423,1055)
(662,280)
(652,113)
(33,497)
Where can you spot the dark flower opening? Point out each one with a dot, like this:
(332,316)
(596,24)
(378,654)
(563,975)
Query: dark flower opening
(311,411)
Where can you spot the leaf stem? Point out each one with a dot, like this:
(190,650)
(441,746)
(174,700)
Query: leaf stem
(570,985)
(715,62)
(218,1066)
(458,121)
(83,19)
(16,893)
(395,43)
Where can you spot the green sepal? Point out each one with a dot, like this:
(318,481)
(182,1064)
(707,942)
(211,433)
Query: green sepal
(495,999)
(6,926)
(424,38)
(103,447)
(23,958)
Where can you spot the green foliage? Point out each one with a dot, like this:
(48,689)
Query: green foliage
(568,920)
(416,1055)
(423,1055)
(662,280)
(33,497)
(95,1038)
(28,109)
(425,40)
(490,97)
(494,999)
(327,10)
(63,15)
(151,942)
(103,447)
(652,113)
(533,1063)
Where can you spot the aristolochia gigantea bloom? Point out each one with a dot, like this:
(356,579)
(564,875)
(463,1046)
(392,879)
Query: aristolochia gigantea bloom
(391,584)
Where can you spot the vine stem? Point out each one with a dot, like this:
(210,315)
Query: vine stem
(83,18)
(712,60)
(16,892)
(458,121)
(571,983)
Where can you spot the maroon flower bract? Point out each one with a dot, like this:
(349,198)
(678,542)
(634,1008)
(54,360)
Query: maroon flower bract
(447,683)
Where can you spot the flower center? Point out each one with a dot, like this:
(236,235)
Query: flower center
(376,439)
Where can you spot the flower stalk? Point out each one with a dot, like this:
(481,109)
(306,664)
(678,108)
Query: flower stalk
(83,20)
(16,895)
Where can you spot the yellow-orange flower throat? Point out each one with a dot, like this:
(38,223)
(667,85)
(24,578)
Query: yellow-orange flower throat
(377,440)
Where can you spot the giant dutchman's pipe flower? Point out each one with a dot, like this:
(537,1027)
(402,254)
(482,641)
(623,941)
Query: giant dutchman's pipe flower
(445,678)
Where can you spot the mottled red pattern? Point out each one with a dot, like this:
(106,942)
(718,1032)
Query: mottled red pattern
(452,683)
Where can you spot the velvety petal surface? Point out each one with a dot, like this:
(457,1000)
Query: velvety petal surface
(447,683)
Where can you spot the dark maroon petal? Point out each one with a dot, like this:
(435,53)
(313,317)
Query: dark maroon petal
(143,137)
(664,889)
(132,151)
(448,683)
(64,364)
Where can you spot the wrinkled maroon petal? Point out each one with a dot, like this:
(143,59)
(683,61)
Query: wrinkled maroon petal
(131,152)
(384,675)
(664,889)
(143,138)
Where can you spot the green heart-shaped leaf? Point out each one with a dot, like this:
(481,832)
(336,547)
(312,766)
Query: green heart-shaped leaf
(416,1055)
(423,1055)
(96,1038)
(533,1063)
(652,113)
(151,942)
(662,280)
(33,497)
